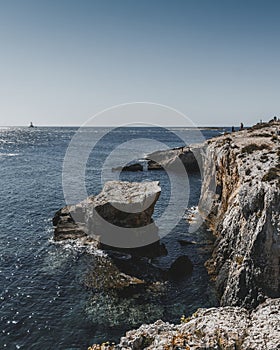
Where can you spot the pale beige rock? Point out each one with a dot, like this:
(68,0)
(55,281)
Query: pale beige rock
(224,328)
(120,203)
(241,202)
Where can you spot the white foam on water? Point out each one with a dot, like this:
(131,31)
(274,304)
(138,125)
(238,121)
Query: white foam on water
(78,245)
(8,154)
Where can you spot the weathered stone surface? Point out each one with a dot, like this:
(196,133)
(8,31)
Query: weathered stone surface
(244,214)
(122,204)
(264,327)
(106,276)
(189,157)
(225,328)
(241,202)
(66,227)
(153,165)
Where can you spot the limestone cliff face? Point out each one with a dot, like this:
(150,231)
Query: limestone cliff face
(240,200)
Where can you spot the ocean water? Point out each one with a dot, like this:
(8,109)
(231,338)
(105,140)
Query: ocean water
(44,302)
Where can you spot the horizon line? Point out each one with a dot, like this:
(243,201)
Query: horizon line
(119,126)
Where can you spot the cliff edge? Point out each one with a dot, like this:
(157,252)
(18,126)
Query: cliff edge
(244,213)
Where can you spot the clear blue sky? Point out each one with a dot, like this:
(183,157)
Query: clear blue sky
(62,60)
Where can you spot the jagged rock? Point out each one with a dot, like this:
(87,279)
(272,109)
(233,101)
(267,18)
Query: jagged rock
(189,157)
(102,217)
(264,327)
(120,205)
(66,227)
(181,267)
(225,328)
(171,159)
(240,199)
(244,214)
(153,165)
(130,167)
(106,276)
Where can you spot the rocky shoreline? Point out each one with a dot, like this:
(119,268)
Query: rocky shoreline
(242,208)
(225,328)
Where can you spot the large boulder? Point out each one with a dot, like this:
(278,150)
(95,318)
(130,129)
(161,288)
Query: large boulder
(118,219)
(119,216)
(105,276)
(180,268)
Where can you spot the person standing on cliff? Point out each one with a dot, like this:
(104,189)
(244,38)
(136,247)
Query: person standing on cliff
(241,126)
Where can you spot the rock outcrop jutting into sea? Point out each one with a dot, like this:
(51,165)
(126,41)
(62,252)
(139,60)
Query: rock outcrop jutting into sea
(98,221)
(101,218)
(189,157)
(240,201)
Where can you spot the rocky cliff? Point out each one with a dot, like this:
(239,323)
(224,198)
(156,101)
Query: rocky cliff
(241,202)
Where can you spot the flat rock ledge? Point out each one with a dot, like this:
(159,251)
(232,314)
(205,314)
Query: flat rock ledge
(224,328)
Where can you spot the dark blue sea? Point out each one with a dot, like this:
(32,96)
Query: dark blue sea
(44,302)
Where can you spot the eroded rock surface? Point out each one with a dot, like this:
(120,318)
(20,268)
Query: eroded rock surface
(99,221)
(241,201)
(224,328)
(189,157)
(106,276)
(122,204)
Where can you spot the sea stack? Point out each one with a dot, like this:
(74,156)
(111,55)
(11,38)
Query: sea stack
(103,218)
